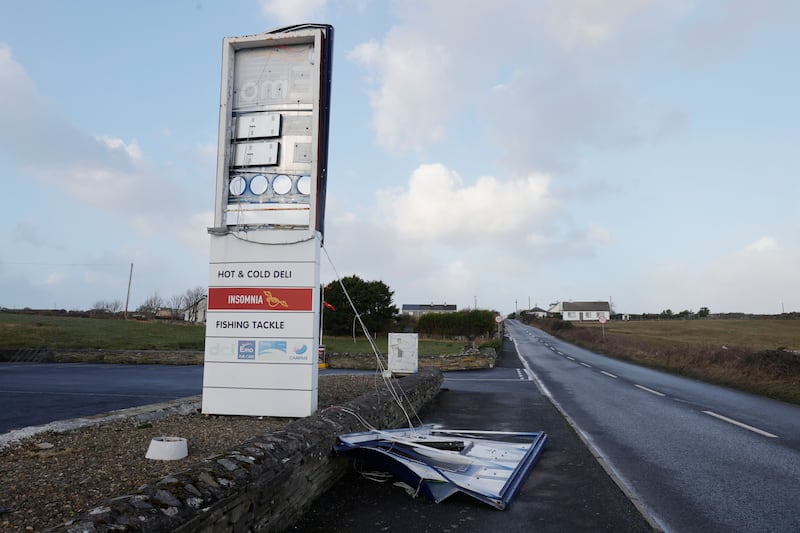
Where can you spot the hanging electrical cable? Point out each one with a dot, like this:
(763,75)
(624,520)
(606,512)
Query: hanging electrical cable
(390,382)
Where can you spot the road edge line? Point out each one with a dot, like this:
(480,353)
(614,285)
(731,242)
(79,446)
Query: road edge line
(623,485)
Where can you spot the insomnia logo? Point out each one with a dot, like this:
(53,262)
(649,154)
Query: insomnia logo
(247,350)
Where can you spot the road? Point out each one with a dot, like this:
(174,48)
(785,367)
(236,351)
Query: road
(35,394)
(567,490)
(697,457)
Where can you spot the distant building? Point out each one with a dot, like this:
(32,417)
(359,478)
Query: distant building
(536,312)
(165,314)
(581,311)
(197,310)
(417,310)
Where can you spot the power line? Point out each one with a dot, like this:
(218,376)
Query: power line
(63,264)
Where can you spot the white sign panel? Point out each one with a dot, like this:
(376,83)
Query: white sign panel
(256,125)
(258,324)
(274,274)
(403,353)
(259,350)
(255,154)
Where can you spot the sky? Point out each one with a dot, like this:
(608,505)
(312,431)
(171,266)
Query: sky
(499,155)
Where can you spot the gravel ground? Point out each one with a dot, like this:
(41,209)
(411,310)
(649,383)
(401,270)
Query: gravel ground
(51,477)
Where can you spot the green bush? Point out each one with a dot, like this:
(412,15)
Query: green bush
(471,324)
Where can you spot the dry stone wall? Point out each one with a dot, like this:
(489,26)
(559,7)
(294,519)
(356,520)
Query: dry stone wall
(469,360)
(264,484)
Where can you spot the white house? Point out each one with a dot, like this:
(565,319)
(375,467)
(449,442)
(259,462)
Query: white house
(582,311)
(536,312)
(196,311)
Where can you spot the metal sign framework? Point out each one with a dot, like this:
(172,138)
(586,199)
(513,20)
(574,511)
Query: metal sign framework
(262,329)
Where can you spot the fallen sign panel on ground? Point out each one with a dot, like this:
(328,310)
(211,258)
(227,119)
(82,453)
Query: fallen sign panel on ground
(437,462)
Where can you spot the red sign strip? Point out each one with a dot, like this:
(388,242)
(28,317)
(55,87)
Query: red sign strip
(259,299)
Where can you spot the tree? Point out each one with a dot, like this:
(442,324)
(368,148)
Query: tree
(372,300)
(703,312)
(176,304)
(192,296)
(112,307)
(151,305)
(192,299)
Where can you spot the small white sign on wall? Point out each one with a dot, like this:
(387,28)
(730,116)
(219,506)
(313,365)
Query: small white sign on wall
(403,353)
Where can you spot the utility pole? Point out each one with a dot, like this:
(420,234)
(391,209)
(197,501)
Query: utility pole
(128,297)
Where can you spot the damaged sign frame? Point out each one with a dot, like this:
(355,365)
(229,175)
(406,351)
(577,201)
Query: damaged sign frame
(489,466)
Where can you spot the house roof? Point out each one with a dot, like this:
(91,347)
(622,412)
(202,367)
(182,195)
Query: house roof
(586,306)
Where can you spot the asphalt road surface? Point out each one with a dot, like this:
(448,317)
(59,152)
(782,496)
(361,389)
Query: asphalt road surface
(566,491)
(34,393)
(698,457)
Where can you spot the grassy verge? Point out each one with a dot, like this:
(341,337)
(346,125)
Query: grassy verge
(757,356)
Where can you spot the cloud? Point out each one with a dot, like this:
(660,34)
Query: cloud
(293,11)
(53,278)
(764,244)
(28,232)
(573,25)
(100,172)
(438,206)
(541,120)
(548,79)
(754,279)
(718,30)
(132,149)
(96,170)
(531,73)
(207,151)
(414,88)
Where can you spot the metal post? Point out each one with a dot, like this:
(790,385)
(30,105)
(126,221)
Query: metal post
(128,297)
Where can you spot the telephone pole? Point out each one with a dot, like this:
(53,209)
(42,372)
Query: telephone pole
(128,297)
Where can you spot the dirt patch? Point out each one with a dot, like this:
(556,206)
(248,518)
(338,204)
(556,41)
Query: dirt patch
(51,477)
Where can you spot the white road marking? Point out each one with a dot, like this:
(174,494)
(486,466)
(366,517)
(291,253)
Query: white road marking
(609,374)
(523,375)
(741,424)
(586,365)
(570,358)
(518,378)
(90,394)
(651,391)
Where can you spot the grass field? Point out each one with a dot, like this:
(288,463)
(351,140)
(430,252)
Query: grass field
(74,333)
(760,356)
(768,334)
